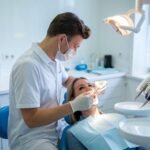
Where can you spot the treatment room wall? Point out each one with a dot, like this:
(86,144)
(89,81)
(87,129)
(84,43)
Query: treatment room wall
(110,42)
(26,21)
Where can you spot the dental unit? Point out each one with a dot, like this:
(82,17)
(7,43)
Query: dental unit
(124,24)
(144,88)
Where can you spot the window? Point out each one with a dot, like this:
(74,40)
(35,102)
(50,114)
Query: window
(148,45)
(141,46)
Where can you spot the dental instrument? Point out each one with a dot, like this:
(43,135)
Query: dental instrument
(144,88)
(147,96)
(124,24)
(99,91)
(100,86)
(144,103)
(141,91)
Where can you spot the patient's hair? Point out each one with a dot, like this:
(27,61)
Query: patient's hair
(70,96)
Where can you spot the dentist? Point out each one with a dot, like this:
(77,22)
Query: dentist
(35,85)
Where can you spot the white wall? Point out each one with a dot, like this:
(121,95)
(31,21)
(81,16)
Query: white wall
(110,41)
(141,45)
(26,21)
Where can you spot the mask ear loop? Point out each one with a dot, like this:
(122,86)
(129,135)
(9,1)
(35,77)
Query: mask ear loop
(67,41)
(58,45)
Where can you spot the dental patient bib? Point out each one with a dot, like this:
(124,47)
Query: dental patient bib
(100,132)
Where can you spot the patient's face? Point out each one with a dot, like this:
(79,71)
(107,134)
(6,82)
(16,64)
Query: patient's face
(82,86)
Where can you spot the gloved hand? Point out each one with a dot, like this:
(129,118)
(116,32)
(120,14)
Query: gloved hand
(81,102)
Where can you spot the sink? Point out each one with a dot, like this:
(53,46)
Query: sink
(133,108)
(136,130)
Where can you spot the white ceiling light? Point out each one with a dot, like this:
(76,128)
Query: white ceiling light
(124,24)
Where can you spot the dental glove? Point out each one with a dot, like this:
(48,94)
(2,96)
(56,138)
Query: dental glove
(81,102)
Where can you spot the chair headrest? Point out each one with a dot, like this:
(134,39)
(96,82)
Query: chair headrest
(4,112)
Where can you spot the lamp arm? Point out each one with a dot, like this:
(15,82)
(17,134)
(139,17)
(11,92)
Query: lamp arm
(139,24)
(130,12)
(140,3)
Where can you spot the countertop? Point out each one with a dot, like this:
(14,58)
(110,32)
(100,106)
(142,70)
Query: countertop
(93,76)
(4,81)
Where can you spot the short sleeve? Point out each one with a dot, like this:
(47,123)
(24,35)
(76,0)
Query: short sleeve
(26,86)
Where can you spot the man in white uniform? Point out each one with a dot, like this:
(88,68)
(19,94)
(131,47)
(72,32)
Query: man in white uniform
(35,85)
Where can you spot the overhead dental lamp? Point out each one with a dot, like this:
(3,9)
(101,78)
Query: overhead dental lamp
(124,24)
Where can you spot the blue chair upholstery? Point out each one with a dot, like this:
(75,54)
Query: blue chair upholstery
(67,118)
(63,141)
(4,112)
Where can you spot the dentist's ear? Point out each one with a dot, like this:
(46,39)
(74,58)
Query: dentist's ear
(61,37)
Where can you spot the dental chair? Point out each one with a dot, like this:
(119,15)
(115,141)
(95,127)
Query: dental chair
(63,142)
(63,145)
(4,112)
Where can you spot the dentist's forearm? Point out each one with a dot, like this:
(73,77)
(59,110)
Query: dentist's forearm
(35,117)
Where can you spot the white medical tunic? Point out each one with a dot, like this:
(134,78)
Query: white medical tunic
(35,81)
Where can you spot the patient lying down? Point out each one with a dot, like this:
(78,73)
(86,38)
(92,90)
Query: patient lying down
(92,129)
